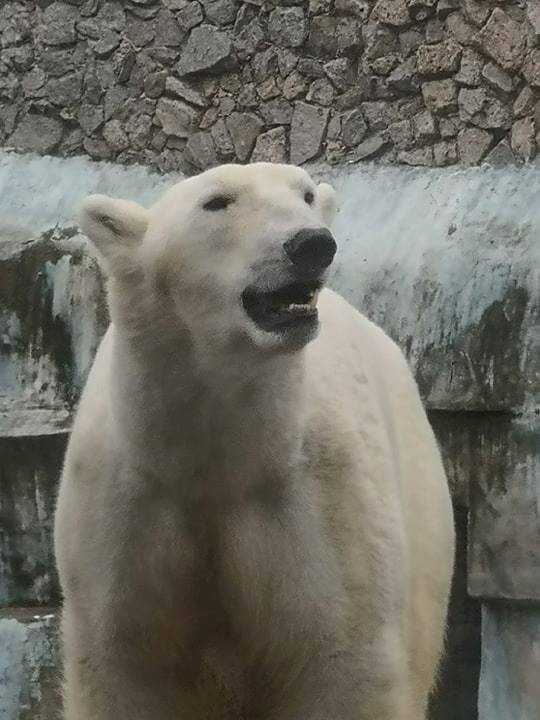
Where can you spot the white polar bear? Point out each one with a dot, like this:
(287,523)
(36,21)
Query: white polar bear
(253,521)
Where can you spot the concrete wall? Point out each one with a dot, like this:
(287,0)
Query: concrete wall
(184,84)
(447,261)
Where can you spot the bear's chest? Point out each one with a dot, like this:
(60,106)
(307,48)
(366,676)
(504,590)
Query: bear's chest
(214,586)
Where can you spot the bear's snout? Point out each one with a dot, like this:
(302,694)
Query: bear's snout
(311,250)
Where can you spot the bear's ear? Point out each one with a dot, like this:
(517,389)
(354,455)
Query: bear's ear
(327,200)
(116,227)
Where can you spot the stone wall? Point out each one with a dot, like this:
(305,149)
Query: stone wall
(183,84)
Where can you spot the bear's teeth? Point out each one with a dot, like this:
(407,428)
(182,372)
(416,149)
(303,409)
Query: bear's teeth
(313,301)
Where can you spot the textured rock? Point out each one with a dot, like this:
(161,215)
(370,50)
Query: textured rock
(271,146)
(479,107)
(522,139)
(403,79)
(353,128)
(321,92)
(418,156)
(37,133)
(424,127)
(524,103)
(438,60)
(200,150)
(470,71)
(185,91)
(497,78)
(370,148)
(115,135)
(503,39)
(531,68)
(445,153)
(207,50)
(331,36)
(244,129)
(392,12)
(220,12)
(440,96)
(176,117)
(190,15)
(57,24)
(287,26)
(473,144)
(307,131)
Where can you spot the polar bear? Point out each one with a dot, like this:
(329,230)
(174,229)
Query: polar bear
(253,521)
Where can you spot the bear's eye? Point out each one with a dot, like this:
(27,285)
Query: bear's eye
(309,197)
(219,202)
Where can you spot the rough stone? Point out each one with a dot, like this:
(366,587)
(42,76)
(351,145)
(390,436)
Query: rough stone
(370,148)
(167,29)
(90,117)
(410,40)
(445,153)
(65,90)
(287,61)
(449,127)
(176,117)
(477,11)
(440,96)
(392,12)
(531,68)
(190,15)
(271,146)
(503,40)
(379,41)
(401,134)
(139,131)
(533,16)
(384,65)
(340,72)
(434,30)
(420,10)
(379,114)
(276,112)
(220,12)
(473,144)
(331,36)
(57,24)
(115,136)
(498,79)
(321,92)
(200,150)
(523,140)
(207,50)
(424,127)
(268,89)
(461,31)
(524,103)
(154,84)
(294,86)
(37,133)
(438,60)
(353,128)
(403,79)
(287,26)
(244,129)
(247,97)
(180,89)
(222,139)
(501,155)
(470,71)
(123,61)
(307,131)
(480,107)
(248,32)
(418,156)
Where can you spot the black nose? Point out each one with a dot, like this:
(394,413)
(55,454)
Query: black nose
(311,250)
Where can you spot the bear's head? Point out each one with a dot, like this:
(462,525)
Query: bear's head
(237,253)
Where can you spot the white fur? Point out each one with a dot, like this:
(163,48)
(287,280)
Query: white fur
(243,531)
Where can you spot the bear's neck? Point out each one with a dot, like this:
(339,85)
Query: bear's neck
(213,430)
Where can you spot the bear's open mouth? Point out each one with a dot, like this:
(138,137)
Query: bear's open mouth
(279,309)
